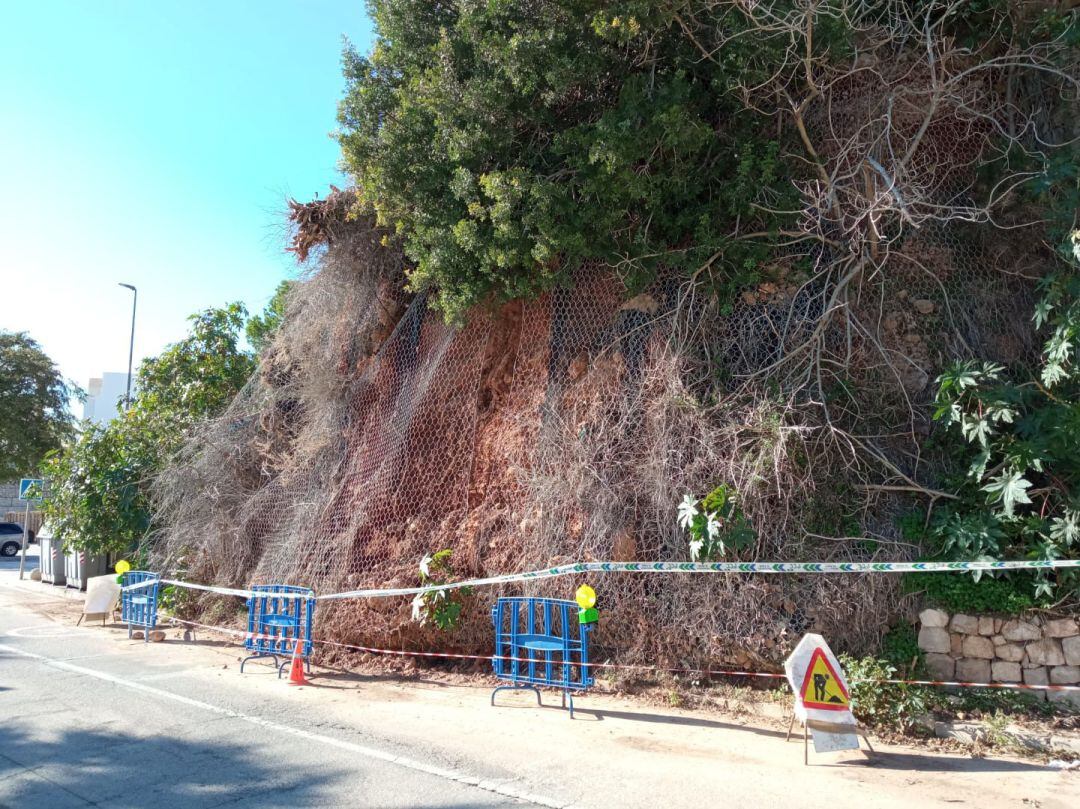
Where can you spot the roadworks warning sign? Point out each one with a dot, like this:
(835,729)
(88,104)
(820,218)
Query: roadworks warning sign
(822,697)
(822,687)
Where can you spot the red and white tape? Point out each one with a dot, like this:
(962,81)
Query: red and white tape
(633,667)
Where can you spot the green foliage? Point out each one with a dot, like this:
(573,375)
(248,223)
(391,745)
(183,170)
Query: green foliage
(1020,487)
(718,528)
(900,649)
(34,415)
(991,701)
(957,592)
(892,705)
(260,328)
(508,142)
(440,607)
(100,482)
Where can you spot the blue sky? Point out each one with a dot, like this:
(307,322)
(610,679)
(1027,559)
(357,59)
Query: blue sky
(154,142)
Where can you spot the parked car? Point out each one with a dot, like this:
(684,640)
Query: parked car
(11,534)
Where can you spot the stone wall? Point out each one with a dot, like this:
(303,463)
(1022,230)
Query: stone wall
(1031,649)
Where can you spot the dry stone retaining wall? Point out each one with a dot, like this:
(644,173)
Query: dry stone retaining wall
(1030,649)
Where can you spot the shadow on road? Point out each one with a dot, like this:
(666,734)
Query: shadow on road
(119,768)
(917,762)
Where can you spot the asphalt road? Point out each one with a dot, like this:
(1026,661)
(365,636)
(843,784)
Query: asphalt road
(82,726)
(12,562)
(90,718)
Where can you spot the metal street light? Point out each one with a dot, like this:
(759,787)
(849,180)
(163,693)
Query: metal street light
(131,347)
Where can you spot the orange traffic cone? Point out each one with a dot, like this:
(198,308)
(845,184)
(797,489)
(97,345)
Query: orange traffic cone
(296,673)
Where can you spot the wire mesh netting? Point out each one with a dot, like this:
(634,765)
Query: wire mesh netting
(568,427)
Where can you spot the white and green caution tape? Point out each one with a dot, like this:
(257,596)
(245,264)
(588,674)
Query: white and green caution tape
(654,567)
(716,567)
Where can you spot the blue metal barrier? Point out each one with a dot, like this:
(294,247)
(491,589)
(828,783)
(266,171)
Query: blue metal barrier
(538,641)
(275,623)
(138,608)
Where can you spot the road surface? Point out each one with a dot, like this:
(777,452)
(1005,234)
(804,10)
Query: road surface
(90,718)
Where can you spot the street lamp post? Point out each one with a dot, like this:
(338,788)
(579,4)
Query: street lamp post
(131,347)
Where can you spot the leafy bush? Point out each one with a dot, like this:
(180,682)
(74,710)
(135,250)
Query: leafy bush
(892,705)
(1020,490)
(718,528)
(440,607)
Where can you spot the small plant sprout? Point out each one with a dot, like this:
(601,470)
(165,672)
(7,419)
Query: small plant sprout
(718,527)
(440,607)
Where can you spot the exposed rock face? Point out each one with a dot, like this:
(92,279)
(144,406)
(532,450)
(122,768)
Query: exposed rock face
(1031,649)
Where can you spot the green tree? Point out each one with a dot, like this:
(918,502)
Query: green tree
(34,415)
(100,483)
(260,328)
(507,143)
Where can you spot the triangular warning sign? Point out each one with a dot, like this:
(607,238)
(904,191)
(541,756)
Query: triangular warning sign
(821,687)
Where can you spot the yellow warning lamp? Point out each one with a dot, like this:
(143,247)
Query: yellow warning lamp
(586,600)
(123,566)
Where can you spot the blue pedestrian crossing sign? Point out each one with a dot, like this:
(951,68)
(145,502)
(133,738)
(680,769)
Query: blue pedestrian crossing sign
(31,488)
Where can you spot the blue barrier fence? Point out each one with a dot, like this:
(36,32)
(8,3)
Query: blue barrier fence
(545,646)
(138,608)
(277,618)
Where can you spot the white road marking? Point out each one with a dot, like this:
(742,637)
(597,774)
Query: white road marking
(503,789)
(46,631)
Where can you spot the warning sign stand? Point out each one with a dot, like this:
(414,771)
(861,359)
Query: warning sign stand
(822,699)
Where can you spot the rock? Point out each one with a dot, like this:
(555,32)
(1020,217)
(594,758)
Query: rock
(1045,652)
(1016,629)
(1035,676)
(1070,698)
(978,646)
(956,645)
(1005,672)
(998,623)
(973,670)
(1060,628)
(1065,675)
(966,624)
(923,306)
(965,733)
(137,635)
(35,574)
(941,667)
(999,640)
(1011,652)
(932,617)
(934,639)
(157,636)
(1071,648)
(986,625)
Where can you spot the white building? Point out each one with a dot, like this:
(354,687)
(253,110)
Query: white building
(104,395)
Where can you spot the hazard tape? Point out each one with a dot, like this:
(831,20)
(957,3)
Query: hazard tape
(654,567)
(635,667)
(210,588)
(959,683)
(715,567)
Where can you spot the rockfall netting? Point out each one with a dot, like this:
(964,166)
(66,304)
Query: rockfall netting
(568,427)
